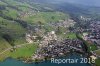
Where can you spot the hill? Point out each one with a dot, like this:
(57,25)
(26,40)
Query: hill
(18,16)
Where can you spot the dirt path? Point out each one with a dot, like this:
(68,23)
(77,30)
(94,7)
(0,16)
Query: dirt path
(17,46)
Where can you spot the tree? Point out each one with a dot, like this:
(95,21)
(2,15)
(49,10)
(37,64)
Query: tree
(53,17)
(40,24)
(9,39)
(59,30)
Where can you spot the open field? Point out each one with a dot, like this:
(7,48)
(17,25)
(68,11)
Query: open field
(97,52)
(23,51)
(71,36)
(97,62)
(93,47)
(45,17)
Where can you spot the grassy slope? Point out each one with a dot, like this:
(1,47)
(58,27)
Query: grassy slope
(11,27)
(10,12)
(97,62)
(16,30)
(2,3)
(3,44)
(71,36)
(45,17)
(98,52)
(24,52)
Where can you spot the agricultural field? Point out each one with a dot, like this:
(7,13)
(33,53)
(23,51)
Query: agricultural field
(24,51)
(45,17)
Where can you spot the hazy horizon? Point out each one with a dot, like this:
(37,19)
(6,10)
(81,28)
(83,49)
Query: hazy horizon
(83,2)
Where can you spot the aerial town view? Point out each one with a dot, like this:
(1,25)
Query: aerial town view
(49,32)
